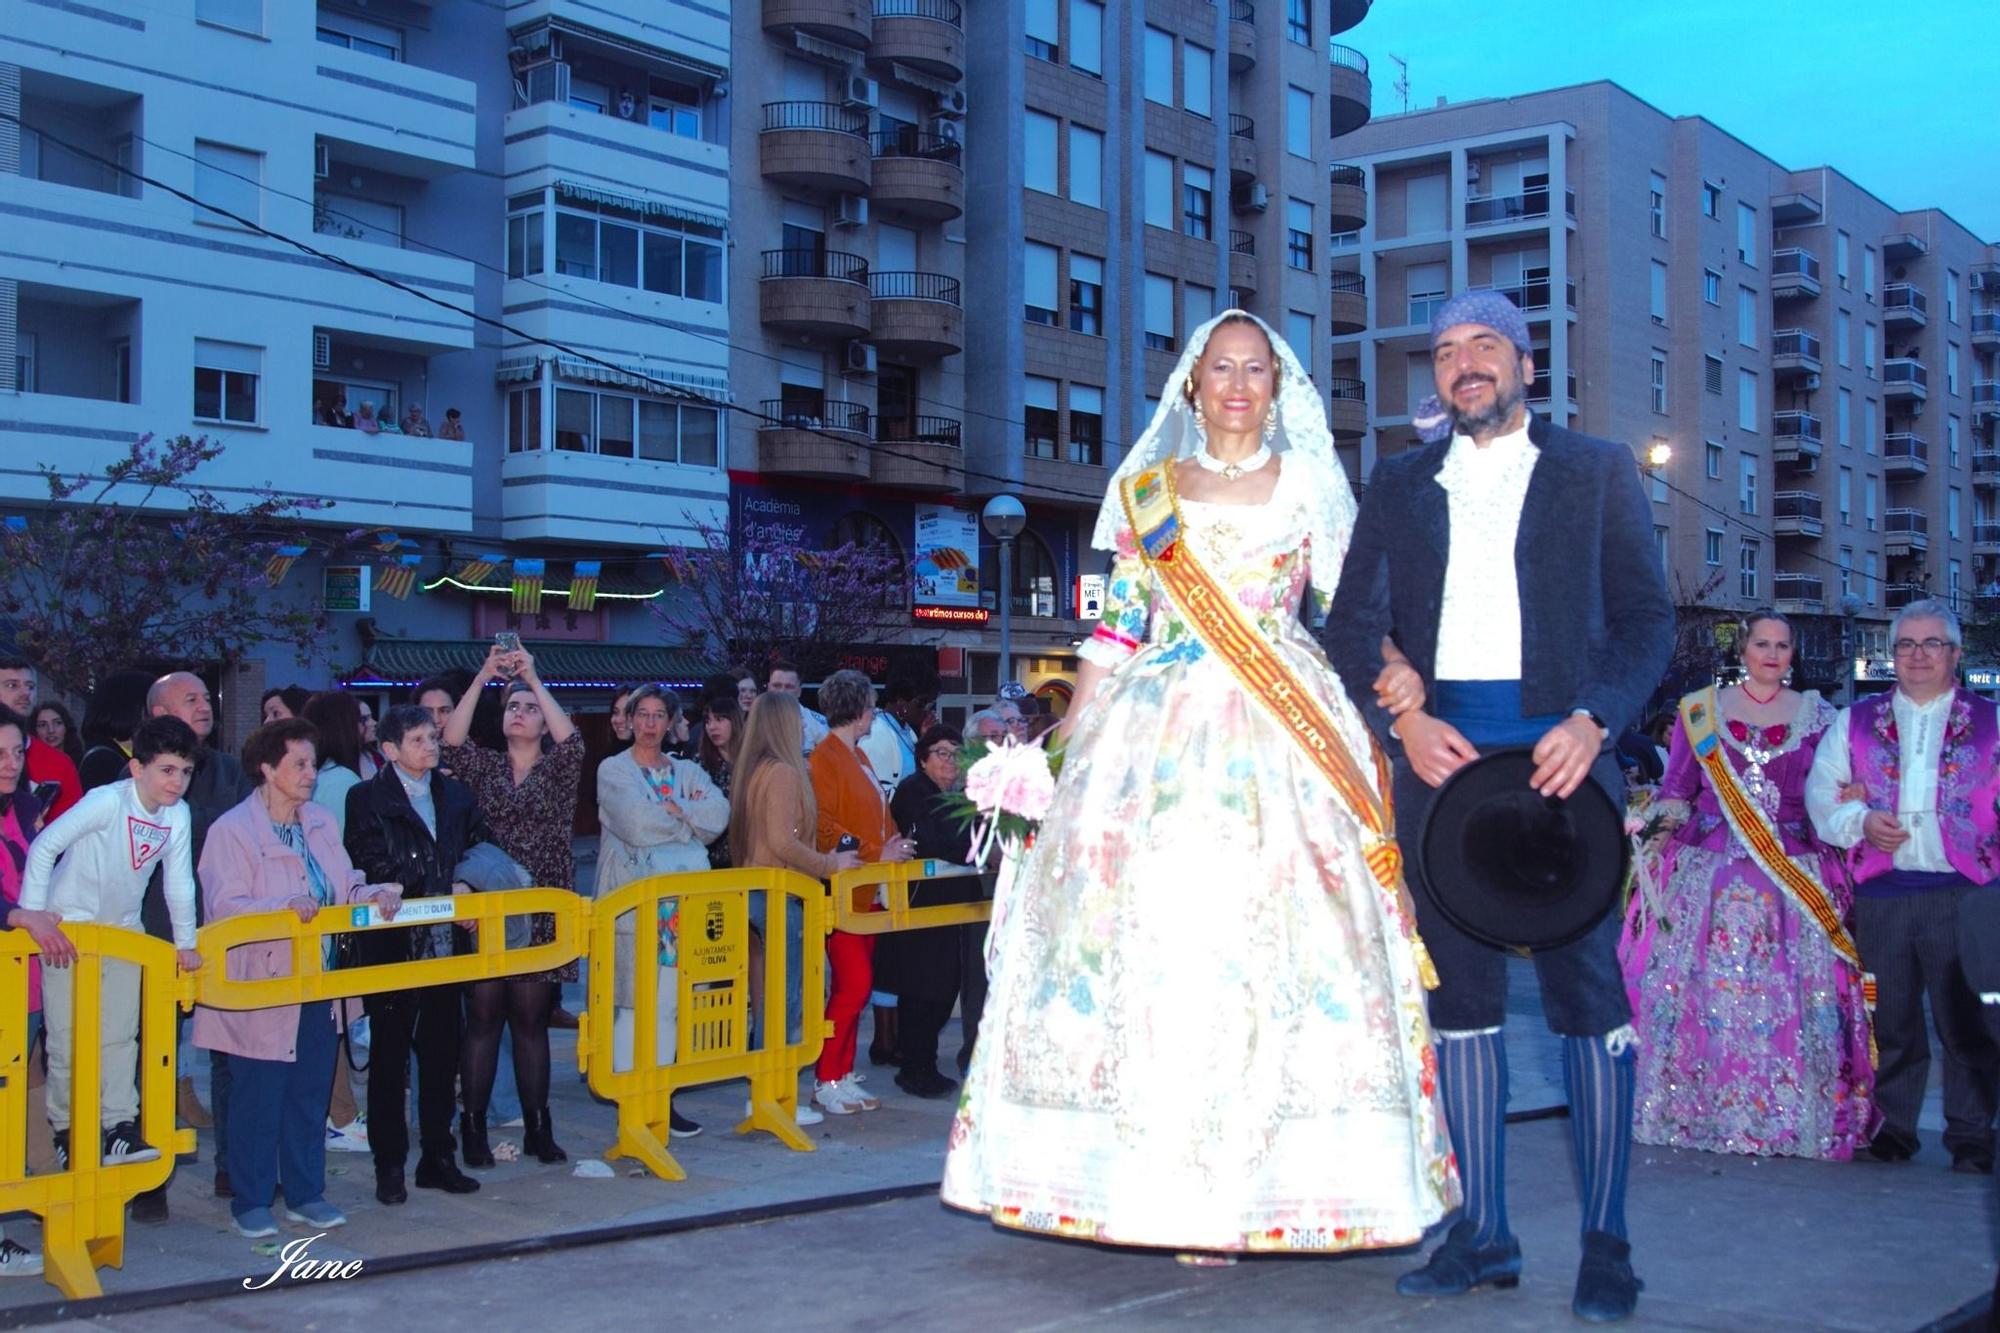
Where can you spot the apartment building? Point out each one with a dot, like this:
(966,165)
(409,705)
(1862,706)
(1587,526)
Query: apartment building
(981,234)
(1816,366)
(543,170)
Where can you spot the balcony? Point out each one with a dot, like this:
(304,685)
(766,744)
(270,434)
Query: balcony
(1986,606)
(1796,433)
(1349,93)
(1906,532)
(1242,261)
(846,22)
(1905,457)
(1498,209)
(1798,594)
(1347,405)
(1904,245)
(1985,399)
(1348,205)
(818,293)
(916,314)
(424,120)
(818,145)
(1797,514)
(1904,303)
(103,124)
(1533,295)
(1986,329)
(1986,537)
(1794,209)
(1347,311)
(926,35)
(920,454)
(1795,352)
(1896,596)
(1794,273)
(1905,377)
(1242,35)
(828,440)
(1985,276)
(918,175)
(1986,468)
(1242,149)
(1540,388)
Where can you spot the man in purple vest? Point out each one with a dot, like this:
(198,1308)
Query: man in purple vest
(1922,835)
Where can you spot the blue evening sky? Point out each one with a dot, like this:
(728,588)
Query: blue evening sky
(1903,96)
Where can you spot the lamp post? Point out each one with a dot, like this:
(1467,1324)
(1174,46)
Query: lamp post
(1003,518)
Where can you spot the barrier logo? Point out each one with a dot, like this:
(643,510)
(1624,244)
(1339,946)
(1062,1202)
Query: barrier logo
(713,925)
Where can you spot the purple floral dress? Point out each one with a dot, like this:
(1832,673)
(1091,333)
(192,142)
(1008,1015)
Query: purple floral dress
(532,822)
(1753,1032)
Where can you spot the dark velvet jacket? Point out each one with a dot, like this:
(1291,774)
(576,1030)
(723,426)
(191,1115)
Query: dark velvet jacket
(1597,624)
(388,842)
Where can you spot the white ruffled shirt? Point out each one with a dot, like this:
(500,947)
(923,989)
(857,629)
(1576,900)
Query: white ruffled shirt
(1479,626)
(1920,739)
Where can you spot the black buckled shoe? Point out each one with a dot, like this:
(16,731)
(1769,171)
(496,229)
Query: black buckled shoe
(1457,1266)
(1606,1288)
(389,1185)
(440,1172)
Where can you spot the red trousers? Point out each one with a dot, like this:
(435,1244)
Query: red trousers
(852,959)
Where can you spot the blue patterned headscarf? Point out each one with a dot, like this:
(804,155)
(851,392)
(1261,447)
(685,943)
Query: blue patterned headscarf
(1487,309)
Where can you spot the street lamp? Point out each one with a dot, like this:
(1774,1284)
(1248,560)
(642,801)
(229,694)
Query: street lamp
(1004,518)
(1659,455)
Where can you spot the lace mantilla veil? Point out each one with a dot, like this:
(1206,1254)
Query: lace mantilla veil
(1302,437)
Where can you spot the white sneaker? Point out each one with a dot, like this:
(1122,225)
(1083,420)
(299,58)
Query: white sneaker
(836,1097)
(804,1115)
(18,1260)
(858,1097)
(347,1138)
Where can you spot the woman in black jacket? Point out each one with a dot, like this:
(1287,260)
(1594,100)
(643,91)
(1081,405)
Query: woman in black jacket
(411,825)
(930,962)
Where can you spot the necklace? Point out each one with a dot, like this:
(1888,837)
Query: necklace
(1231,471)
(1751,694)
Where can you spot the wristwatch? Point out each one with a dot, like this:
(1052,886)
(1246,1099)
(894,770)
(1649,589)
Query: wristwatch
(1595,720)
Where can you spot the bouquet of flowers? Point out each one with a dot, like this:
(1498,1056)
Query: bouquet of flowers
(1647,818)
(1006,794)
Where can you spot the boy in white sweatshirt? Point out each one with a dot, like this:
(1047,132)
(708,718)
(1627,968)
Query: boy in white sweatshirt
(113,837)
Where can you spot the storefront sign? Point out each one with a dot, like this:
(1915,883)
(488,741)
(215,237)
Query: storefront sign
(1986,679)
(947,557)
(950,615)
(1866,668)
(346,587)
(1090,597)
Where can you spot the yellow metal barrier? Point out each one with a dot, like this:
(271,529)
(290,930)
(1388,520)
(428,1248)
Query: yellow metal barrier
(83,1209)
(898,878)
(712,1041)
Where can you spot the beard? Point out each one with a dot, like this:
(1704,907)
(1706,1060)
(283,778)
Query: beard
(1492,418)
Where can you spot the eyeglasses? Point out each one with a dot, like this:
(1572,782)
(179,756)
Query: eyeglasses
(1930,647)
(941,752)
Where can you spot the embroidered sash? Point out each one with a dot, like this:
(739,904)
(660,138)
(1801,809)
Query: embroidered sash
(1700,714)
(1153,509)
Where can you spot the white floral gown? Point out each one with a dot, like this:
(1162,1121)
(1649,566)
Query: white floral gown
(1205,1030)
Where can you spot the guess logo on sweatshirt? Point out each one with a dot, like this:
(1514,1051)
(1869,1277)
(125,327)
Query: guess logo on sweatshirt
(148,840)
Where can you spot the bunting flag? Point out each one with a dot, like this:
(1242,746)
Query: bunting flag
(398,577)
(280,563)
(527,587)
(386,541)
(583,584)
(475,570)
(17,523)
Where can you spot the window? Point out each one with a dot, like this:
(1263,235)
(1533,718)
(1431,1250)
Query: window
(24,362)
(1953,575)
(228,178)
(1746,399)
(1846,571)
(524,239)
(524,420)
(1159,190)
(1843,418)
(1711,200)
(1038,283)
(1711,546)
(1043,38)
(1746,483)
(1868,273)
(372,39)
(1951,441)
(1951,369)
(226,381)
(1659,301)
(1656,203)
(1746,571)
(1160,313)
(1841,246)
(1298,21)
(1711,286)
(679,433)
(1197,79)
(1868,350)
(1711,374)
(1951,513)
(1951,295)
(1159,66)
(1426,284)
(1039,418)
(1086,424)
(1868,436)
(1746,317)
(1868,502)
(1843,338)
(1197,201)
(1746,234)
(1086,37)
(1197,305)
(1299,333)
(1712,456)
(1658,384)
(1660,545)
(1844,497)
(242,15)
(1298,234)
(1298,121)
(607,243)
(1086,294)
(1086,166)
(1039,169)
(1872,572)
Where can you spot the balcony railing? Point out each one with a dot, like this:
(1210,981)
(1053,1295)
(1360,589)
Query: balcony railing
(908,141)
(1795,262)
(1799,587)
(1514,207)
(1906,372)
(835,116)
(944,11)
(1986,534)
(1538,388)
(1346,57)
(1797,343)
(829,415)
(1896,596)
(1986,393)
(1242,11)
(1346,174)
(802,263)
(1907,520)
(1798,505)
(919,430)
(1902,446)
(1241,126)
(1351,389)
(1795,426)
(1241,242)
(1905,300)
(1985,323)
(894,285)
(1986,467)
(1349,282)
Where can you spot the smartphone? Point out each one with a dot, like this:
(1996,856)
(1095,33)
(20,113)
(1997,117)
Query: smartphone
(848,843)
(46,793)
(507,641)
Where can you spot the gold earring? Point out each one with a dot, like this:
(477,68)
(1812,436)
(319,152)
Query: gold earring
(1271,423)
(1200,418)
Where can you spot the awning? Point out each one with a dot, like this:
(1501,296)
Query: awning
(642,205)
(642,377)
(562,665)
(536,36)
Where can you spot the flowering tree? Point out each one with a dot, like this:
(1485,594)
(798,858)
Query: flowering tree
(768,598)
(137,564)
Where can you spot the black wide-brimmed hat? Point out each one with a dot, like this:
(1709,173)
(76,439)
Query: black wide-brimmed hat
(1517,869)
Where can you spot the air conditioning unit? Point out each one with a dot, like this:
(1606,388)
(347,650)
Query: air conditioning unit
(951,102)
(851,210)
(947,131)
(860,359)
(322,351)
(862,92)
(1809,382)
(1806,463)
(1986,282)
(1253,198)
(322,162)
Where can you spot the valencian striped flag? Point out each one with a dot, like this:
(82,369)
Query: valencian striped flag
(398,576)
(475,570)
(280,563)
(583,584)
(386,540)
(527,586)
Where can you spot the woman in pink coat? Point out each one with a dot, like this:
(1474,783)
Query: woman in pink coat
(278,852)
